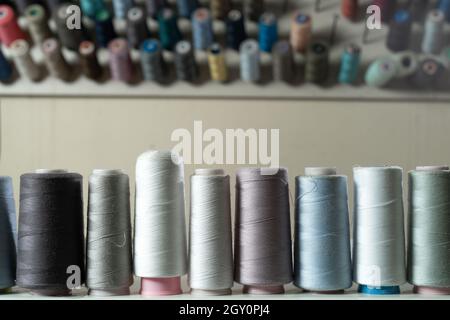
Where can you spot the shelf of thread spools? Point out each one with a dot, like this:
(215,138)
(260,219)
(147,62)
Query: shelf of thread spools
(301,49)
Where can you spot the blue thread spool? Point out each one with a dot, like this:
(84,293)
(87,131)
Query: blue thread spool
(186,7)
(444,6)
(350,62)
(6,69)
(399,31)
(169,33)
(378,291)
(268,32)
(104,28)
(236,32)
(91,7)
(121,8)
(202,29)
(381,72)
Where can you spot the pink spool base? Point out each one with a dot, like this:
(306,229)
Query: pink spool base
(160,286)
(431,290)
(261,290)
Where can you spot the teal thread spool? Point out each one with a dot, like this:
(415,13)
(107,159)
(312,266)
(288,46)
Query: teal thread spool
(381,72)
(169,33)
(350,63)
(90,8)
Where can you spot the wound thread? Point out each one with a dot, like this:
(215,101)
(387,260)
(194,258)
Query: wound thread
(121,8)
(433,38)
(6,69)
(254,9)
(300,35)
(169,33)
(55,61)
(217,64)
(185,65)
(9,28)
(89,62)
(154,7)
(381,72)
(250,61)
(27,68)
(317,63)
(202,29)
(399,35)
(235,29)
(104,29)
(186,8)
(268,32)
(137,30)
(69,38)
(350,64)
(37,23)
(120,63)
(350,9)
(152,61)
(283,62)
(220,8)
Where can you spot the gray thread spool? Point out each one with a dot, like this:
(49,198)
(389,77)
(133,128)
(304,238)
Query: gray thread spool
(283,61)
(317,63)
(433,38)
(152,61)
(70,38)
(429,73)
(429,231)
(211,253)
(55,61)
(250,61)
(407,63)
(20,51)
(8,235)
(322,248)
(109,256)
(379,236)
(154,6)
(137,30)
(185,63)
(37,23)
(160,256)
(263,255)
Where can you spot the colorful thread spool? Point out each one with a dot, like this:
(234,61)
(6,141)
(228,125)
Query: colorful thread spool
(152,61)
(220,8)
(217,64)
(407,64)
(91,8)
(430,73)
(350,64)
(6,69)
(69,38)
(27,68)
(381,72)
(350,9)
(202,29)
(283,62)
(235,29)
(121,8)
(137,30)
(250,61)
(55,61)
(185,65)
(169,33)
(387,9)
(120,63)
(9,28)
(317,63)
(399,35)
(268,32)
(37,23)
(89,62)
(418,9)
(104,29)
(186,8)
(433,38)
(154,7)
(444,6)
(300,34)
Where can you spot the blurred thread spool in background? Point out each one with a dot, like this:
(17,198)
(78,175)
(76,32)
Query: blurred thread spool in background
(381,71)
(69,38)
(217,65)
(152,61)
(37,23)
(137,30)
(6,69)
(268,32)
(22,5)
(202,29)
(27,68)
(169,33)
(89,62)
(429,73)
(387,9)
(8,235)
(109,266)
(418,9)
(121,8)
(253,9)
(379,235)
(399,35)
(322,256)
(91,8)
(300,35)
(220,8)
(250,61)
(407,64)
(235,29)
(350,64)
(51,240)
(444,6)
(9,28)
(283,62)
(429,230)
(160,246)
(104,29)
(263,255)
(350,9)
(53,5)
(186,8)
(185,65)
(317,63)
(154,6)
(120,63)
(211,249)
(434,37)
(55,61)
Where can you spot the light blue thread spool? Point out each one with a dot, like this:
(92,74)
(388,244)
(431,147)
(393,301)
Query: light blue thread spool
(381,72)
(186,7)
(202,29)
(121,8)
(444,6)
(250,61)
(268,32)
(433,38)
(350,63)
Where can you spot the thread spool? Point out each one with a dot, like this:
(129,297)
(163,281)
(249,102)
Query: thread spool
(55,61)
(300,35)
(69,38)
(428,257)
(120,63)
(9,28)
(186,8)
(262,264)
(152,61)
(444,6)
(379,239)
(220,8)
(6,69)
(433,38)
(387,9)
(91,8)
(50,231)
(322,248)
(104,29)
(185,64)
(418,8)
(268,32)
(109,256)
(21,5)
(381,72)
(89,62)
(137,30)
(169,33)
(429,73)
(350,64)
(407,63)
(27,68)
(399,31)
(283,61)
(154,7)
(217,64)
(350,9)
(37,23)
(202,29)
(8,235)
(121,8)
(53,5)
(253,9)
(250,61)
(235,29)
(211,253)
(160,257)
(317,63)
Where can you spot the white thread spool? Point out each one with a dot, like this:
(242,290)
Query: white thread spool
(320,171)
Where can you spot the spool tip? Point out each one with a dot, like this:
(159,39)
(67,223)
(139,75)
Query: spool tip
(263,290)
(431,290)
(160,286)
(387,290)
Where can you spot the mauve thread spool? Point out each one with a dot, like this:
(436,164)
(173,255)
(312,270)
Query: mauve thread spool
(120,62)
(109,267)
(185,64)
(317,63)
(283,61)
(387,8)
(104,29)
(253,9)
(429,73)
(70,38)
(89,62)
(220,8)
(9,28)
(8,235)
(55,61)
(429,218)
(235,29)
(300,34)
(350,9)
(399,35)
(20,51)
(137,30)
(154,6)
(263,255)
(153,65)
(322,255)
(50,231)
(37,23)
(211,249)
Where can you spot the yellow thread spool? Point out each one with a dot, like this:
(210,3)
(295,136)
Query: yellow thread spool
(217,64)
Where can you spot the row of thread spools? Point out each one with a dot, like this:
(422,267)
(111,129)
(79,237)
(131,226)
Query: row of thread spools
(51,243)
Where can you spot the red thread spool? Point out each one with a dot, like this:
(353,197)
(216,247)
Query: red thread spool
(349,9)
(9,29)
